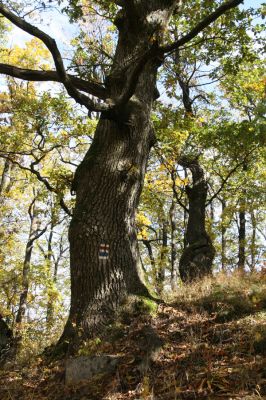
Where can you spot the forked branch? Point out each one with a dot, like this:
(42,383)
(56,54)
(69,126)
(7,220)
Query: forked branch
(208,20)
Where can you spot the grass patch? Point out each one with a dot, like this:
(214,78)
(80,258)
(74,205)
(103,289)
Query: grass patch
(226,297)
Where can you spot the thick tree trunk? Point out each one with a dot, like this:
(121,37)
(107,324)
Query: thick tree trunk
(109,183)
(196,260)
(103,243)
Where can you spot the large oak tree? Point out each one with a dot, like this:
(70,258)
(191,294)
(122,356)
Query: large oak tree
(109,180)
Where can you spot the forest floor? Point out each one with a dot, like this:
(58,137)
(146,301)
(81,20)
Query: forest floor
(213,346)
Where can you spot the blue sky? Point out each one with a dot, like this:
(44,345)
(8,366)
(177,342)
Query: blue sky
(252,3)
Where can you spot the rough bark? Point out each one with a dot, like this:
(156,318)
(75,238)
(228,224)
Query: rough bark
(109,181)
(196,259)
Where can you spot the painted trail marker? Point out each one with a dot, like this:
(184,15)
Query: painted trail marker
(104,251)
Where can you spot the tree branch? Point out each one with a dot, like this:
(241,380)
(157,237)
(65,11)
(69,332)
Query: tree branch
(41,179)
(50,43)
(93,88)
(37,235)
(201,25)
(132,82)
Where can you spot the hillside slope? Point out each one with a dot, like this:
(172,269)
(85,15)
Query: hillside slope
(207,342)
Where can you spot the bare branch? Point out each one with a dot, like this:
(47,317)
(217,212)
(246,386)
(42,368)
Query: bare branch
(42,76)
(50,43)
